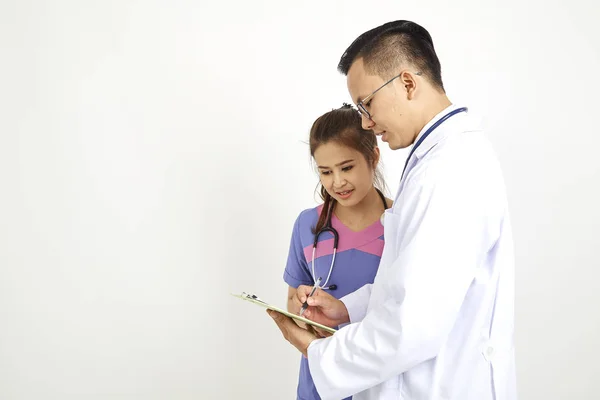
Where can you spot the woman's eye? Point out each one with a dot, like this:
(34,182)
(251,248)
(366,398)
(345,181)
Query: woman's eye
(348,168)
(368,103)
(325,172)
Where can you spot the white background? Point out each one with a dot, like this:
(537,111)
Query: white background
(153,160)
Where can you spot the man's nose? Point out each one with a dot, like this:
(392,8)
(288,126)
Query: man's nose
(367,123)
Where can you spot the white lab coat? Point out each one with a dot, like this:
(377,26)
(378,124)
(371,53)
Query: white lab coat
(437,323)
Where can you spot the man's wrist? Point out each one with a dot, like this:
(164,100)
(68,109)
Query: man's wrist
(346,315)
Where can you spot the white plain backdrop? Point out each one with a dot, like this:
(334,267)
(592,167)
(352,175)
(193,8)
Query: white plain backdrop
(153,160)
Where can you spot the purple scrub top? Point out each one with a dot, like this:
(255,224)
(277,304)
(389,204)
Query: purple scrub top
(356,264)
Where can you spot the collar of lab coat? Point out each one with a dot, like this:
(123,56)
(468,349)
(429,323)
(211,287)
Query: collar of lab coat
(437,134)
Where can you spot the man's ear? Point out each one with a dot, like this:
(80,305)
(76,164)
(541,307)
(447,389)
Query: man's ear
(408,80)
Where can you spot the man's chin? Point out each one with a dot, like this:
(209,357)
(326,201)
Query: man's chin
(398,145)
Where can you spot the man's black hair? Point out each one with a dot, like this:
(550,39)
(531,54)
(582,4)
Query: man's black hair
(385,48)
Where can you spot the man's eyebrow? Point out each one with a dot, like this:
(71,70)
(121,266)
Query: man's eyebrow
(361,98)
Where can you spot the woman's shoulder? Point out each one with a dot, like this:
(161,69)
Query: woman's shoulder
(309,216)
(305,223)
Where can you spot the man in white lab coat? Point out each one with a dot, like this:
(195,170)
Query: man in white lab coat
(437,323)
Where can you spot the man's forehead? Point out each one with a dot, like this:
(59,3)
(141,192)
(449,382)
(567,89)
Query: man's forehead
(360,84)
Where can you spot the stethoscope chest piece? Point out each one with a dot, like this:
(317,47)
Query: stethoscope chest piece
(382,218)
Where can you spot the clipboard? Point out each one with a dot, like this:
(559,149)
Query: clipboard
(254,299)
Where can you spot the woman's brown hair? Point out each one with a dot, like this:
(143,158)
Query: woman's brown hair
(343,126)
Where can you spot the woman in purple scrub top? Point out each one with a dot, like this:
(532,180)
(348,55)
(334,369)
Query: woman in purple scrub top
(347,159)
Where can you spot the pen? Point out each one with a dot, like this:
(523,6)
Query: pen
(305,305)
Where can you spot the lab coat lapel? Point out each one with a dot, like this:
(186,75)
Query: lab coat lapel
(457,123)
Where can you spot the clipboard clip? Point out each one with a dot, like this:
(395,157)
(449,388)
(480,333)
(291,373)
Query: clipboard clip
(252,297)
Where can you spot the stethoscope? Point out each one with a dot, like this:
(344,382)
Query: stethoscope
(428,131)
(329,228)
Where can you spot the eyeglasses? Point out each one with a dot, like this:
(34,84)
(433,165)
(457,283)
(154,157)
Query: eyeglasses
(362,110)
